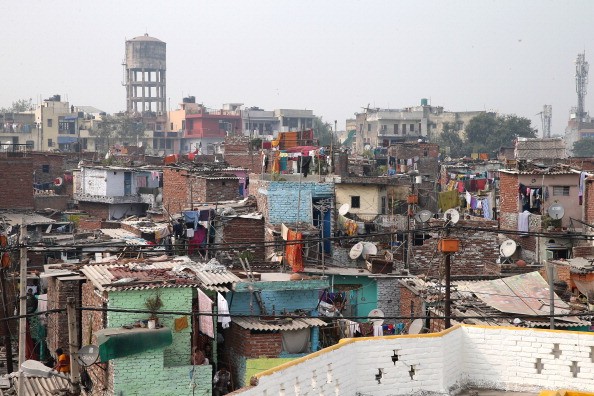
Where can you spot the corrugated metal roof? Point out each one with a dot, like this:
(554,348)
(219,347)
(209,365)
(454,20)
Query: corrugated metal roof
(279,324)
(148,276)
(41,386)
(525,294)
(175,273)
(119,233)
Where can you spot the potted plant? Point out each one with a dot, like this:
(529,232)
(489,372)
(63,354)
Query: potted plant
(153,304)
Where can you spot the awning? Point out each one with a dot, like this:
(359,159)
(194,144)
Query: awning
(277,324)
(119,342)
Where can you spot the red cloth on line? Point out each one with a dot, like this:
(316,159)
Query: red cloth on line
(294,251)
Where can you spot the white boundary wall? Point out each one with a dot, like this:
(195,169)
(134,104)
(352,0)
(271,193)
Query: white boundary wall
(504,358)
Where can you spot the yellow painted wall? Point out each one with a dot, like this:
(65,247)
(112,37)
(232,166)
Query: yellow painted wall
(255,366)
(564,392)
(369,197)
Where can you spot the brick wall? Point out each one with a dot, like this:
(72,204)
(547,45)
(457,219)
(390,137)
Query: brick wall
(388,295)
(93,321)
(95,209)
(242,230)
(237,154)
(477,248)
(411,304)
(18,174)
(57,202)
(283,197)
(497,358)
(58,292)
(175,190)
(508,200)
(588,200)
(215,190)
(89,223)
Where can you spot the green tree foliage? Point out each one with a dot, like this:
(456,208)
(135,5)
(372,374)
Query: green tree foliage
(323,132)
(583,148)
(488,132)
(451,138)
(19,106)
(119,127)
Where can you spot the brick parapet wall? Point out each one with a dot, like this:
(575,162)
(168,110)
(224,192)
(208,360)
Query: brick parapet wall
(95,209)
(56,202)
(17,174)
(58,292)
(477,249)
(242,231)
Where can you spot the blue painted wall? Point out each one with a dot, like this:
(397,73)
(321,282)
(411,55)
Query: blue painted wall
(283,197)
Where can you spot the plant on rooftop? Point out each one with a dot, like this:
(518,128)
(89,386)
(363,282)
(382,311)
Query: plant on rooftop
(153,304)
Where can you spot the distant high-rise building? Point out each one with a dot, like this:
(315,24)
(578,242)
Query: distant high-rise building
(145,75)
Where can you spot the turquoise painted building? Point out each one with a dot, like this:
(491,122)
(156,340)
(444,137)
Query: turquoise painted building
(135,359)
(265,339)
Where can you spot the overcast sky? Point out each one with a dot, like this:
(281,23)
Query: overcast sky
(333,57)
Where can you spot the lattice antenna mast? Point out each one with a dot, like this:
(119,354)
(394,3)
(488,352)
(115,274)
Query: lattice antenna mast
(545,117)
(581,84)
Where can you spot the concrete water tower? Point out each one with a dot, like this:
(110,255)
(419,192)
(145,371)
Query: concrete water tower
(144,75)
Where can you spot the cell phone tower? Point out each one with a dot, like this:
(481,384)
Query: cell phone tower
(581,84)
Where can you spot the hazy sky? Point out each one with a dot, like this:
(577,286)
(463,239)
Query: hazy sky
(333,57)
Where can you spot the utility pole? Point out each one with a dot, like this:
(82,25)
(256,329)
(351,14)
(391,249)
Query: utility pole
(5,327)
(73,346)
(551,274)
(448,270)
(22,305)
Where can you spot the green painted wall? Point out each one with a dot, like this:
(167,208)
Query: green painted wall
(255,366)
(366,294)
(158,372)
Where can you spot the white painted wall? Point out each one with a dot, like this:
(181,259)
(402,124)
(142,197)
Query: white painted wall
(491,357)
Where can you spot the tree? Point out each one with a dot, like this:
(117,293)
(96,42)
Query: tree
(583,148)
(19,106)
(488,132)
(122,127)
(449,137)
(323,132)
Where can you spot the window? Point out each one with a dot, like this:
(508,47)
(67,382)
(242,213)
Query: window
(45,168)
(395,129)
(412,127)
(183,125)
(561,191)
(368,127)
(49,122)
(383,205)
(50,143)
(355,202)
(384,127)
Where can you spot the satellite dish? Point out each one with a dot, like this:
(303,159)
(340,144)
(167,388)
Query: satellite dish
(423,216)
(344,209)
(88,355)
(416,326)
(376,316)
(263,191)
(369,248)
(356,251)
(556,211)
(508,248)
(58,181)
(453,214)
